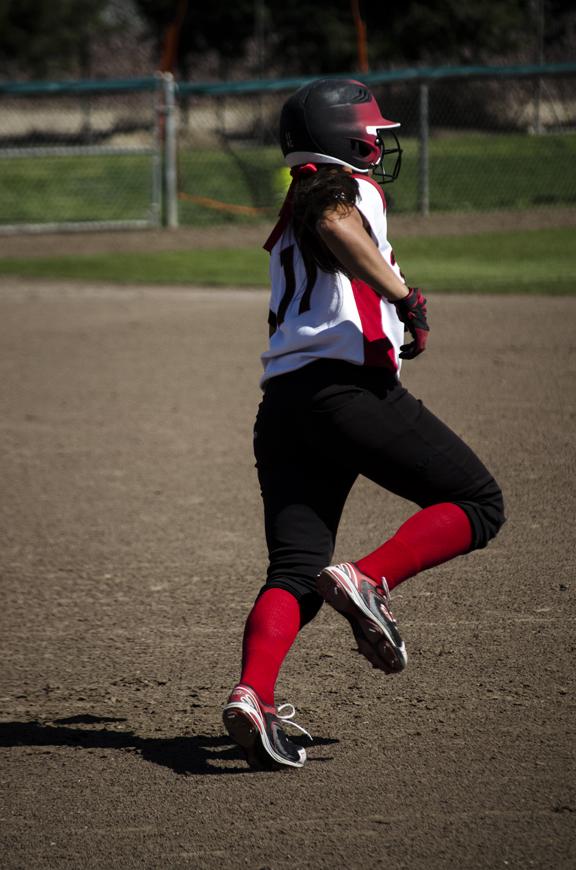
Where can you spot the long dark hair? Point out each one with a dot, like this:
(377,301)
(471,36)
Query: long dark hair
(331,186)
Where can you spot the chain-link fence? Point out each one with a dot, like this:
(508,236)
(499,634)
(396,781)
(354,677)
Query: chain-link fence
(139,152)
(473,139)
(80,155)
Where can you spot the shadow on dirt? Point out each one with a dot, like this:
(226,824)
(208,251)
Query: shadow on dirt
(199,754)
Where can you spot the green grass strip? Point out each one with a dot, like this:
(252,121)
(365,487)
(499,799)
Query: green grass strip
(535,261)
(246,267)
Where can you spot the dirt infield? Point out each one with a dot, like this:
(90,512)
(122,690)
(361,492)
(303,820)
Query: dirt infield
(132,548)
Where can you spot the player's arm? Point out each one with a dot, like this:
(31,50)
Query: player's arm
(342,230)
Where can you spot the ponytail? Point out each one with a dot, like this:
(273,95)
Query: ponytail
(331,187)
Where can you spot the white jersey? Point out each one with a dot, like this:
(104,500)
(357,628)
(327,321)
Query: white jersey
(336,317)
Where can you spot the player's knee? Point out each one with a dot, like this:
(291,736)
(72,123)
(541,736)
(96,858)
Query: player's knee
(493,513)
(489,516)
(486,514)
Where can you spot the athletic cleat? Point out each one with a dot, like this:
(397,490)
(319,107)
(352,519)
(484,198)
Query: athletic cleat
(259,730)
(366,606)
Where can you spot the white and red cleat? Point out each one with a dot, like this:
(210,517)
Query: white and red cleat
(366,606)
(259,730)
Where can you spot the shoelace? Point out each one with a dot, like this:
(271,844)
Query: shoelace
(384,593)
(283,717)
(385,588)
(288,717)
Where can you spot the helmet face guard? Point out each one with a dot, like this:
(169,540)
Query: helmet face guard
(384,135)
(339,121)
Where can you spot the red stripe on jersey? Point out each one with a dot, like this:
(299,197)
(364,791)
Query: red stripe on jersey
(374,184)
(378,350)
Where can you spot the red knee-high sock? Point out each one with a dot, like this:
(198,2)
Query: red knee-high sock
(430,537)
(271,629)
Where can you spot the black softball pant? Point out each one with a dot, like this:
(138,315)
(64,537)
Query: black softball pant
(320,427)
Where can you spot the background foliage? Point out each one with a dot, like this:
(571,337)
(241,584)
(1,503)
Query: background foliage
(41,38)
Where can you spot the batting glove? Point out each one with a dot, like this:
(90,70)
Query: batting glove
(412,312)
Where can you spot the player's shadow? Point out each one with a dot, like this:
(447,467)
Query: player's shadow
(199,754)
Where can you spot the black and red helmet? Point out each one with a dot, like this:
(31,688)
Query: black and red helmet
(338,121)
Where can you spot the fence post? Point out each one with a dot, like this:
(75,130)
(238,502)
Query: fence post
(424,131)
(170,152)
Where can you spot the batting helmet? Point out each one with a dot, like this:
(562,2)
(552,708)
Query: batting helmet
(338,121)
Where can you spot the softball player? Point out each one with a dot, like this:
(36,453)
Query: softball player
(333,408)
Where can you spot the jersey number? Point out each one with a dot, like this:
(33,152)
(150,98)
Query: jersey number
(287,263)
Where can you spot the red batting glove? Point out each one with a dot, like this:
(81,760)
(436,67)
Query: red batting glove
(412,312)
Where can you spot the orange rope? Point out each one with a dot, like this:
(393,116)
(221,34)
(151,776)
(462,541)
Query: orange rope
(222,206)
